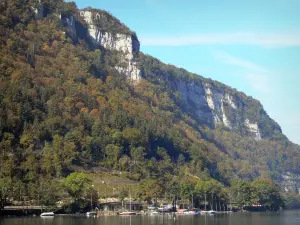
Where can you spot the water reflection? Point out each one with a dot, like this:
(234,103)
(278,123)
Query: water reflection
(285,218)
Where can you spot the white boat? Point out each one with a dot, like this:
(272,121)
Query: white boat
(152,207)
(153,213)
(190,212)
(127,213)
(91,214)
(211,212)
(47,214)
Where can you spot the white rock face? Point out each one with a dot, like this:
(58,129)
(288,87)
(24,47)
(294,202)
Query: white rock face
(117,42)
(253,128)
(209,98)
(290,182)
(194,94)
(216,101)
(224,118)
(213,105)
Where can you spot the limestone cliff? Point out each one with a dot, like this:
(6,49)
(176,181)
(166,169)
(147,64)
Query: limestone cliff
(217,107)
(126,43)
(223,106)
(120,40)
(212,103)
(290,182)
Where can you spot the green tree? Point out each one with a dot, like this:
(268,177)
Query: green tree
(113,153)
(242,193)
(5,192)
(267,193)
(187,190)
(76,184)
(172,189)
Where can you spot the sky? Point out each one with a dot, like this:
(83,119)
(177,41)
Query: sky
(253,46)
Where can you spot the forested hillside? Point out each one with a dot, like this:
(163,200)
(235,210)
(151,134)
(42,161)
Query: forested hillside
(65,102)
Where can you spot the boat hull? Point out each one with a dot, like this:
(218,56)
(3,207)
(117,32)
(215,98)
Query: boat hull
(47,214)
(127,213)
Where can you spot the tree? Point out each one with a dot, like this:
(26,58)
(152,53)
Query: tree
(242,193)
(113,153)
(151,190)
(123,194)
(187,190)
(172,190)
(267,193)
(209,190)
(76,184)
(5,191)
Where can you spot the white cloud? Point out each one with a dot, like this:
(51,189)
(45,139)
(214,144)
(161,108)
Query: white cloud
(256,75)
(232,60)
(274,40)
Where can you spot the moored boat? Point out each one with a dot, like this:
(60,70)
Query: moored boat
(91,214)
(152,207)
(127,213)
(153,213)
(47,214)
(211,212)
(187,212)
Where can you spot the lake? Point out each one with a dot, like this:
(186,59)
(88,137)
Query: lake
(263,218)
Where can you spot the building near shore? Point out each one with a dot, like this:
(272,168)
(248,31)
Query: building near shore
(119,206)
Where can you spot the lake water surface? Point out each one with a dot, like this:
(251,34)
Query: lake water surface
(264,218)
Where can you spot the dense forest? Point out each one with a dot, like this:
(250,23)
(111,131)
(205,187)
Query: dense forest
(64,106)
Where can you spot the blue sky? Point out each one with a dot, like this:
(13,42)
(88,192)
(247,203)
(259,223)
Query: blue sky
(253,46)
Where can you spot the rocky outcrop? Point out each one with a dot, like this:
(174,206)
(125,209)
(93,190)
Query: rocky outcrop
(253,128)
(70,22)
(194,96)
(290,182)
(216,107)
(217,99)
(128,45)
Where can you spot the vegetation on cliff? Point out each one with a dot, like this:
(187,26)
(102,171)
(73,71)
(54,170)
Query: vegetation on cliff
(64,104)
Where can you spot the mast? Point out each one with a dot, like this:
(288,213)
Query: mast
(205,201)
(129,201)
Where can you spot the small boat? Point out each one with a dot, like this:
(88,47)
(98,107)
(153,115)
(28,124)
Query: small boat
(47,214)
(91,214)
(127,213)
(211,212)
(152,207)
(164,209)
(190,212)
(153,213)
